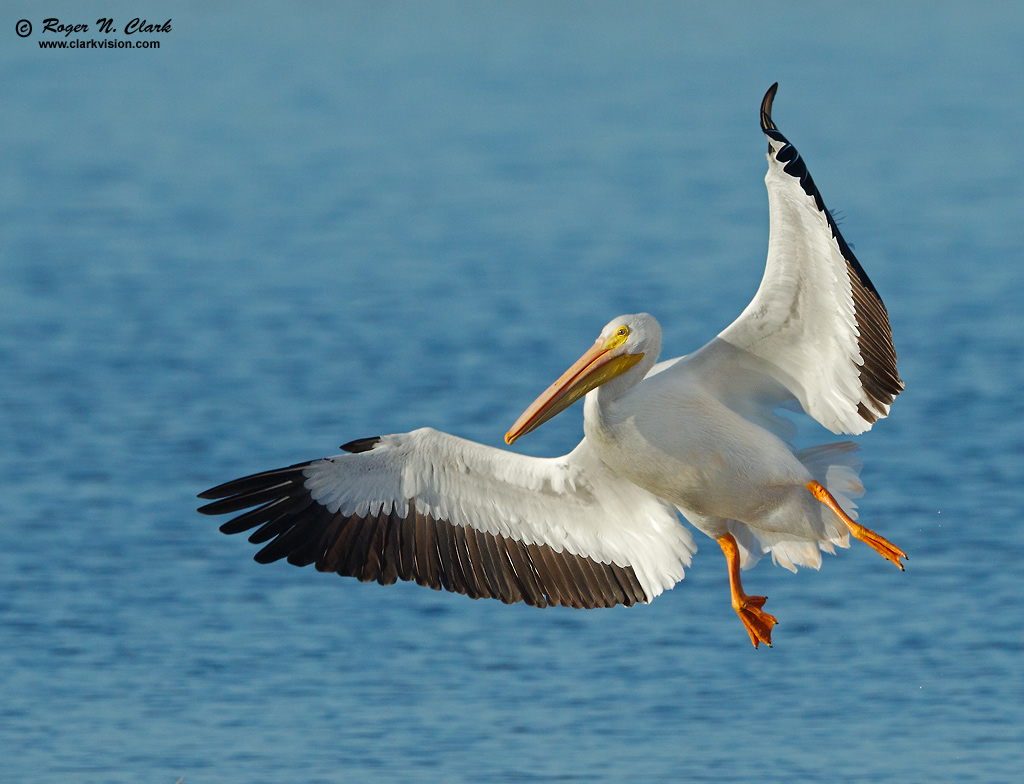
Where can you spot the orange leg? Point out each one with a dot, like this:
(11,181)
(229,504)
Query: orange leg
(759,623)
(879,544)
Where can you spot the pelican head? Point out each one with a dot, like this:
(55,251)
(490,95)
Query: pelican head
(621,345)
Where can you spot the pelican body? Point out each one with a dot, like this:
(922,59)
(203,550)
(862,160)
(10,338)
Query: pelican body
(699,435)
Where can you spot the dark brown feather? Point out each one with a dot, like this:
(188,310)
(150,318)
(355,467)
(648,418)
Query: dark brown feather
(386,546)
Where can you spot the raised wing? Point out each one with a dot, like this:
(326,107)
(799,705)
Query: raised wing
(453,514)
(816,319)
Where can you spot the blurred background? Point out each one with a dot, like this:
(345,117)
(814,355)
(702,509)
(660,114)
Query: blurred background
(296,224)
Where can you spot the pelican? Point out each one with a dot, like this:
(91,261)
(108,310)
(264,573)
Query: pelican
(699,435)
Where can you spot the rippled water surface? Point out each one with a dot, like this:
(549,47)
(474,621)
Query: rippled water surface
(298,224)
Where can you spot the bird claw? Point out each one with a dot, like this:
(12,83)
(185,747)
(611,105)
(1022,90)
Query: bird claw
(879,544)
(757,622)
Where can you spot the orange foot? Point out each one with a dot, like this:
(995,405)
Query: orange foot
(878,543)
(757,622)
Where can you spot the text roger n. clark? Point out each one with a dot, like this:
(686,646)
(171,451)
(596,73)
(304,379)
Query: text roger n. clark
(104,25)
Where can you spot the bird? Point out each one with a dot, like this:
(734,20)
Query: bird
(705,436)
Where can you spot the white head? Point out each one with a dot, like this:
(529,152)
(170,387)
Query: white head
(626,349)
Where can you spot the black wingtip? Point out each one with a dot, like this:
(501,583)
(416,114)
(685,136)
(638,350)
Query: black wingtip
(361,445)
(766,109)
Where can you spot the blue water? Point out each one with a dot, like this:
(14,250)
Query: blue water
(294,225)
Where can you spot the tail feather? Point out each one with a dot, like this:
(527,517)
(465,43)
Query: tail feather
(838,469)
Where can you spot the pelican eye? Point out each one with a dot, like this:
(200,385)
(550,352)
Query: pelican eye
(618,337)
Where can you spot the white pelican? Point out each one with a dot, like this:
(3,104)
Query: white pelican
(698,434)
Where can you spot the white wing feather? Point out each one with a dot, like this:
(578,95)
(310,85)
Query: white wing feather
(574,503)
(816,319)
(802,320)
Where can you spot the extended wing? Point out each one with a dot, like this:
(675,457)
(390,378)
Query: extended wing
(816,320)
(453,514)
